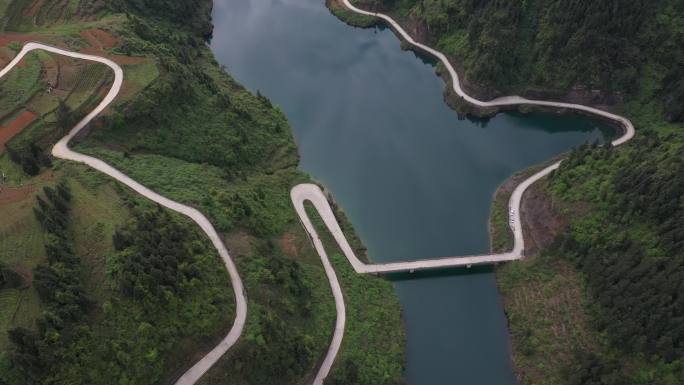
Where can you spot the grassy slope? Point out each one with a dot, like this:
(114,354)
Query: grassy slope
(159,133)
(19,86)
(23,238)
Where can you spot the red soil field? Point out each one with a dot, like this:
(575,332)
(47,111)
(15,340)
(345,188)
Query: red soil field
(99,39)
(9,37)
(15,194)
(15,126)
(5,57)
(19,193)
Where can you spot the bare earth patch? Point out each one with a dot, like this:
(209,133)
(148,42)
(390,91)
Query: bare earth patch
(9,37)
(541,222)
(288,244)
(124,60)
(15,194)
(99,39)
(238,242)
(21,121)
(6,55)
(12,194)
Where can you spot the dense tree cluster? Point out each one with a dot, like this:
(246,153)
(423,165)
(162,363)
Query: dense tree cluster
(279,352)
(155,255)
(596,369)
(350,374)
(271,348)
(640,296)
(653,186)
(29,155)
(631,248)
(673,91)
(59,286)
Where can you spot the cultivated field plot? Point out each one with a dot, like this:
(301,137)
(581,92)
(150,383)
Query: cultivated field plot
(39,99)
(43,88)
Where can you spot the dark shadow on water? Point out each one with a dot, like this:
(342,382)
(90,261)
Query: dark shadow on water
(424,57)
(544,119)
(439,273)
(477,121)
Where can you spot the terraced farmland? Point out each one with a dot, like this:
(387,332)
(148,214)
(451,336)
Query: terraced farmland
(8,304)
(89,82)
(20,85)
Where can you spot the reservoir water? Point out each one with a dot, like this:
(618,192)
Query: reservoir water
(415,181)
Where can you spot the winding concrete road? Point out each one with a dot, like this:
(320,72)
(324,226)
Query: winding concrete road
(61,150)
(312,193)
